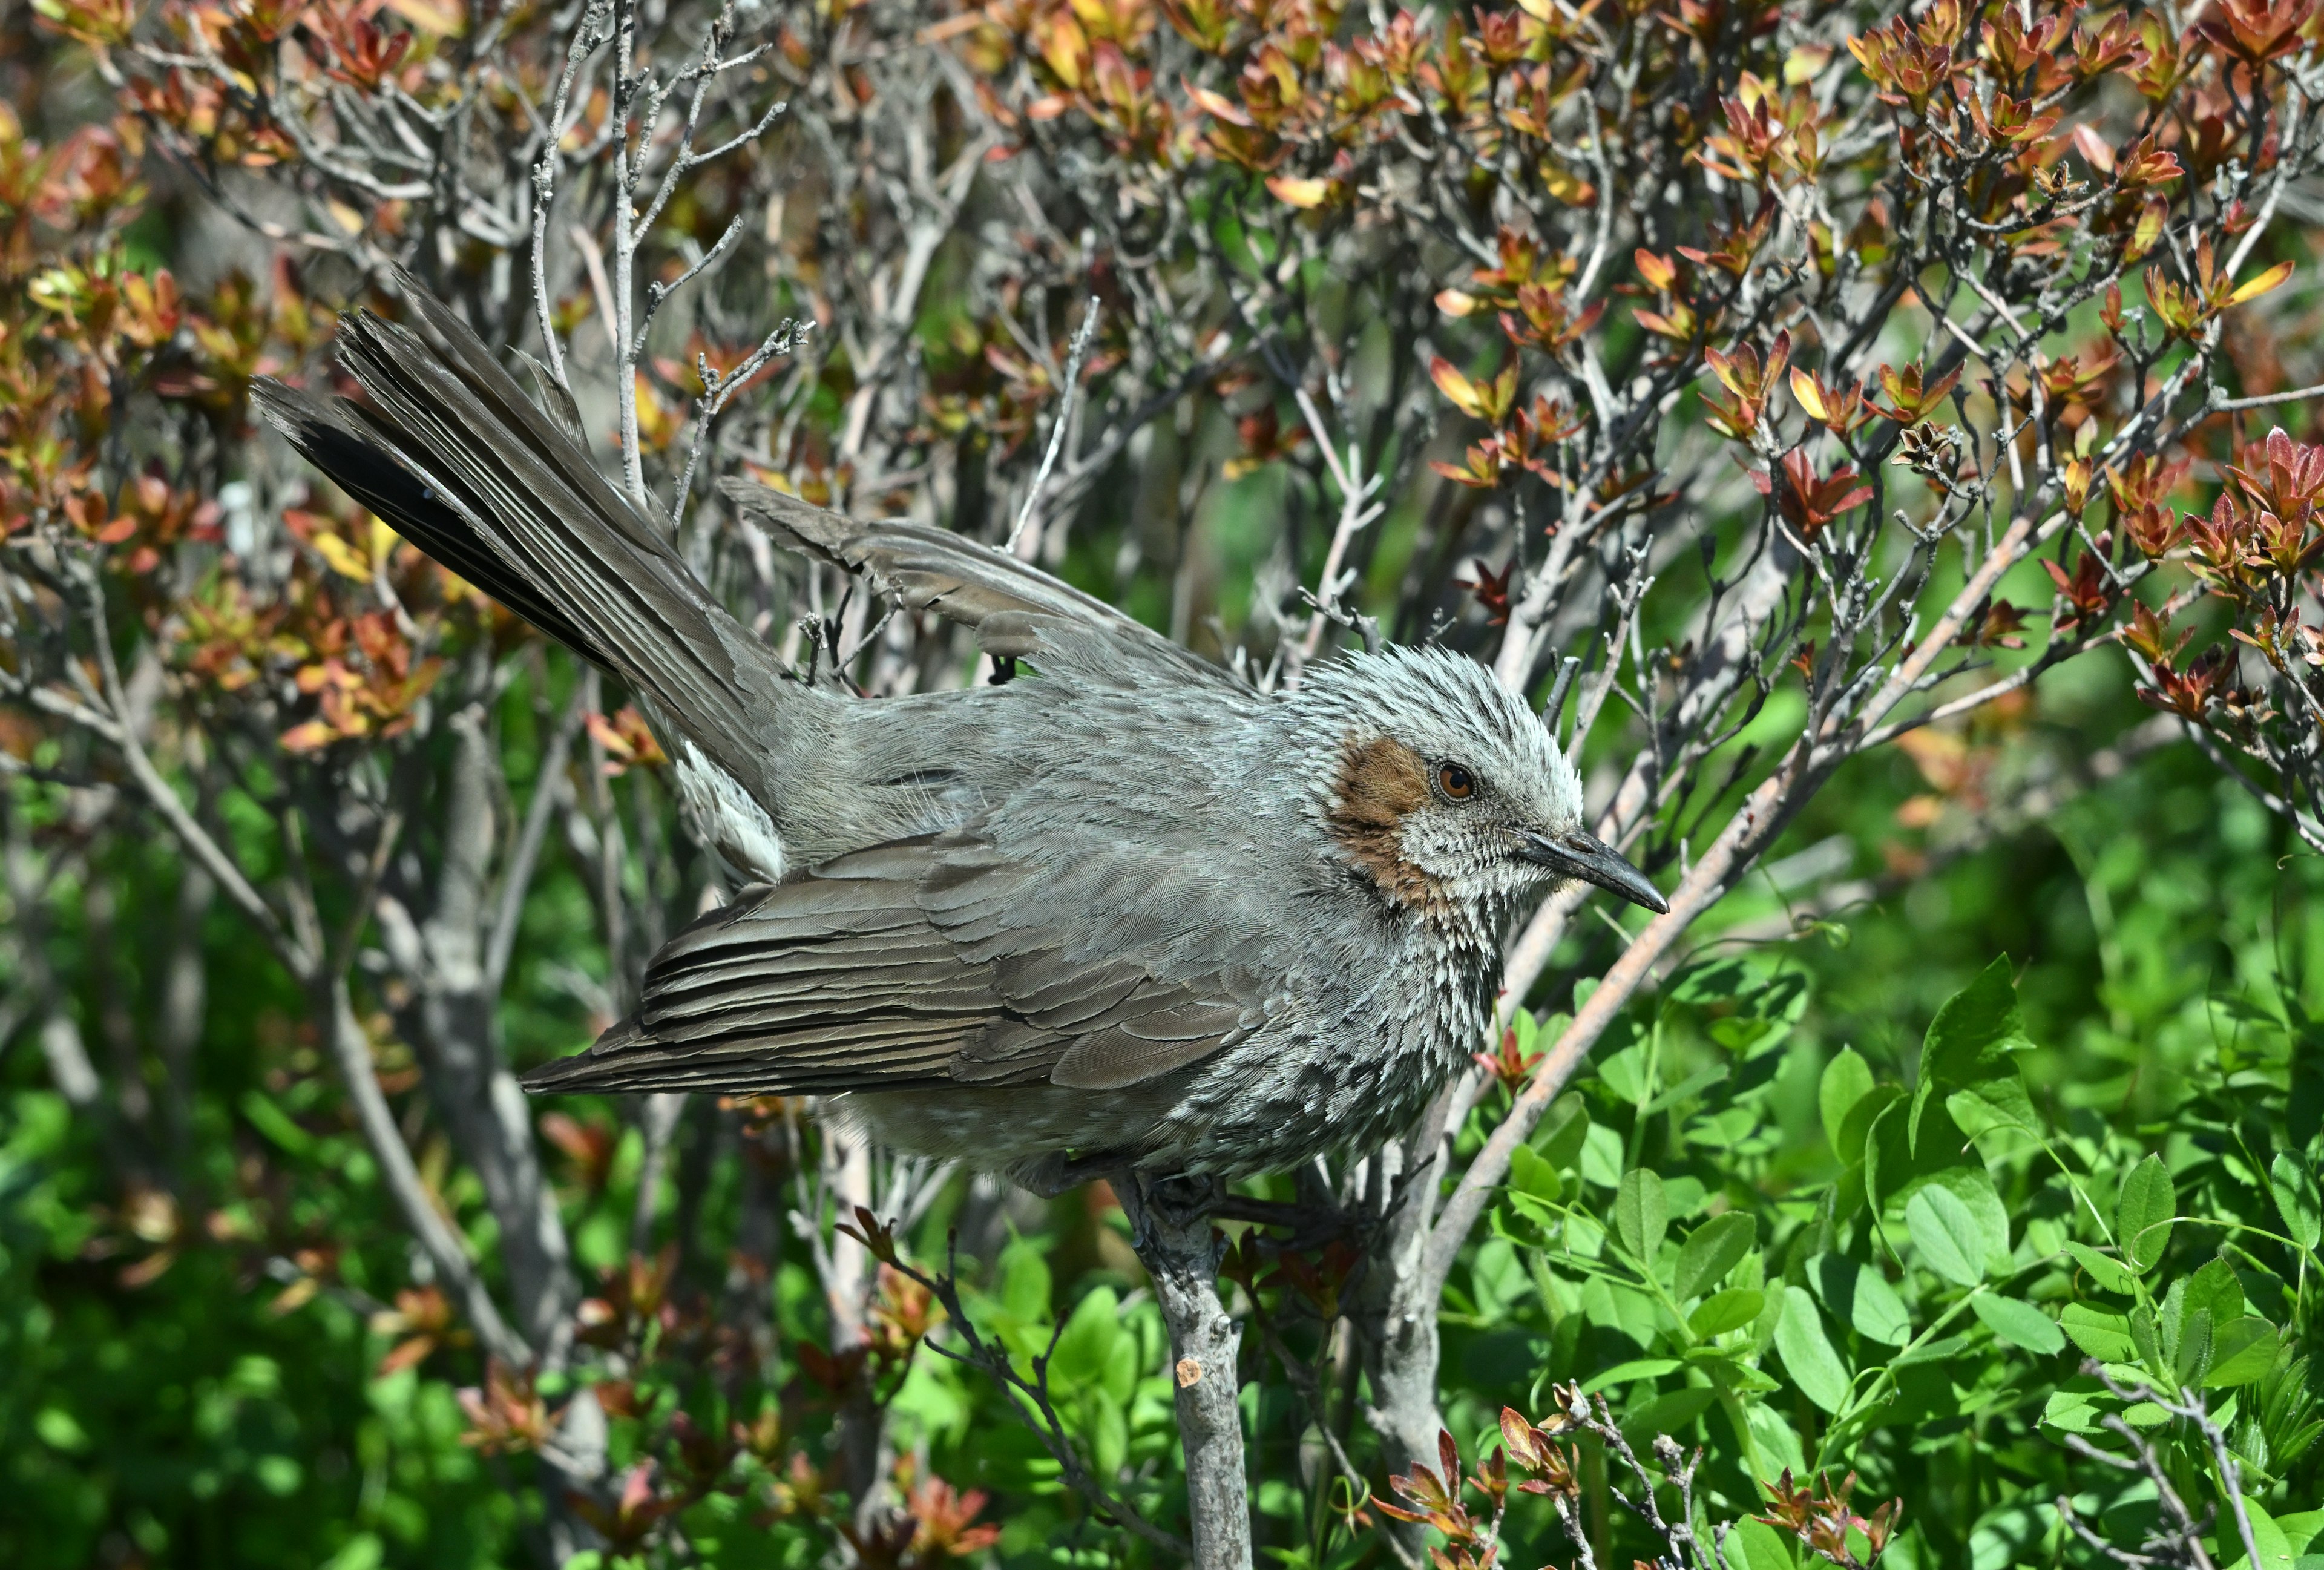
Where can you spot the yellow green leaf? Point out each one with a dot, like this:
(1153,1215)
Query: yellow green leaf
(2260,285)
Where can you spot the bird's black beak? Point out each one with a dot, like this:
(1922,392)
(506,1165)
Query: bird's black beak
(1586,856)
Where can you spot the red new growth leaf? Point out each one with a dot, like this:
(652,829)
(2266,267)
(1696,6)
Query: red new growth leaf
(1748,382)
(943,1515)
(1810,504)
(505,1414)
(1821,1519)
(1491,589)
(2150,635)
(1507,1065)
(627,742)
(2083,596)
(635,1511)
(2255,31)
(1912,396)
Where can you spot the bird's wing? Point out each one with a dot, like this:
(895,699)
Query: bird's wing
(927,962)
(1018,611)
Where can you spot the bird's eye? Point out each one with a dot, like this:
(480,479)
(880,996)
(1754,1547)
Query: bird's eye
(1455,781)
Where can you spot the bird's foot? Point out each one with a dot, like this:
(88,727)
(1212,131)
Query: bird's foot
(1053,1174)
(1172,1207)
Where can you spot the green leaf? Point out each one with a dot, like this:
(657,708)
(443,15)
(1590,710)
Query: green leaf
(2303,1530)
(1778,1441)
(2296,1200)
(1856,1129)
(2143,1216)
(2216,1288)
(2274,1547)
(1847,1080)
(1088,1341)
(1763,1547)
(1624,1074)
(2143,1339)
(1631,1372)
(1807,1351)
(1532,1174)
(1712,1250)
(1941,1350)
(1639,1315)
(1562,1129)
(1848,1193)
(1879,1313)
(1893,1168)
(2076,1410)
(1670,1412)
(2242,1350)
(1859,1295)
(2018,1323)
(2097,1332)
(1947,1234)
(1972,1184)
(1025,1289)
(276,1124)
(1641,1215)
(1108,1427)
(1687,1089)
(2106,1272)
(1724,1311)
(1972,1046)
(1720,979)
(1997,1104)
(1602,1156)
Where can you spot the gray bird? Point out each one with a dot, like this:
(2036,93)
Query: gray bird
(1127,912)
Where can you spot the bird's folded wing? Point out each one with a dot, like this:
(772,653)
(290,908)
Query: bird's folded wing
(1018,611)
(884,970)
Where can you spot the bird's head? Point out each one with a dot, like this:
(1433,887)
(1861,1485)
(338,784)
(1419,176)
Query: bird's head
(1448,791)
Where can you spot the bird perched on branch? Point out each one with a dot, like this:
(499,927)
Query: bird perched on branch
(1126,913)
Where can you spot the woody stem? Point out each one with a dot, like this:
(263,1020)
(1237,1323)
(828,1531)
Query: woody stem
(1170,1227)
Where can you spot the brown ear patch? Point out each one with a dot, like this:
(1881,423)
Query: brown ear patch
(1378,782)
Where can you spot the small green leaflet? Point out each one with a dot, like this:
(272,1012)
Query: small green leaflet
(1712,1250)
(2142,1217)
(1947,1234)
(1856,1129)
(1971,1050)
(1602,1156)
(2215,1288)
(1968,1182)
(1670,1412)
(2304,1531)
(2242,1350)
(1807,1351)
(1562,1129)
(1641,1215)
(1724,1311)
(2143,1336)
(1761,1547)
(2274,1547)
(1692,1085)
(1847,1080)
(2077,1410)
(1860,1295)
(2106,1272)
(1533,1174)
(2018,1323)
(2296,1200)
(1624,1374)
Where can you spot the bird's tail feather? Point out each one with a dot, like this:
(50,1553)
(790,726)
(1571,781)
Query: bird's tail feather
(450,451)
